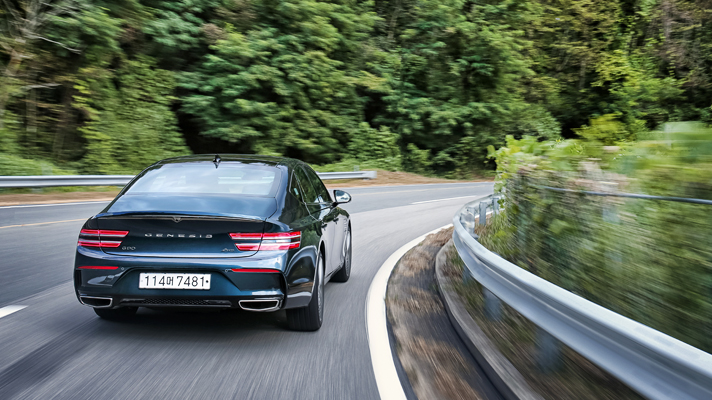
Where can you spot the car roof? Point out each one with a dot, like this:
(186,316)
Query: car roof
(269,160)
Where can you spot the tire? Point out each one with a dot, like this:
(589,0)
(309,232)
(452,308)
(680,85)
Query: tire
(116,314)
(344,273)
(309,318)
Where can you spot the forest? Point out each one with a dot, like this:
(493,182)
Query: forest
(111,86)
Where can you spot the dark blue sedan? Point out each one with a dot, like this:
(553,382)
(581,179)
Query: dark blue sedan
(217,231)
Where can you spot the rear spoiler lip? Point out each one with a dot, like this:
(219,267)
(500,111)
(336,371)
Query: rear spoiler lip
(182,215)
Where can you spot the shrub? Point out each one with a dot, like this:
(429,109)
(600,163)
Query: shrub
(649,260)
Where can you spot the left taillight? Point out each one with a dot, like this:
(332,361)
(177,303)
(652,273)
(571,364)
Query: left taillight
(100,238)
(267,241)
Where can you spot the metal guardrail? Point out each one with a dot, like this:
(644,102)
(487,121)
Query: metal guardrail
(122,180)
(654,364)
(63,180)
(347,175)
(629,195)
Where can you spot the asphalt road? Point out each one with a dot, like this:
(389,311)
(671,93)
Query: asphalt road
(56,348)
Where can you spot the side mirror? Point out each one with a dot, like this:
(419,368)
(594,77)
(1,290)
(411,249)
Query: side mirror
(341,197)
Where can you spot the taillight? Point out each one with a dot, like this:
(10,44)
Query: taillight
(247,241)
(267,241)
(281,241)
(100,238)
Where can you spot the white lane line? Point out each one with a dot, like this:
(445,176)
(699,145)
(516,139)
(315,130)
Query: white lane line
(387,381)
(56,204)
(5,311)
(450,198)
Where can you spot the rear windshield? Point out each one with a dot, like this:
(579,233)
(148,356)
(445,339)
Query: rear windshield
(205,178)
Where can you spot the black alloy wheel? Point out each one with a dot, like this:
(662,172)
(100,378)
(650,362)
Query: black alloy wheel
(309,318)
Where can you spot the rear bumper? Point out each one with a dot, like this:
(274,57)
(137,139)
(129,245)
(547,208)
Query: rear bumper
(255,291)
(256,303)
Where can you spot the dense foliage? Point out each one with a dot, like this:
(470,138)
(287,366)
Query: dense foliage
(426,85)
(647,259)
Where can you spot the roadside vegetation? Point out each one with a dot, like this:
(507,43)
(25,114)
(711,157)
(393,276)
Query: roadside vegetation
(424,86)
(649,260)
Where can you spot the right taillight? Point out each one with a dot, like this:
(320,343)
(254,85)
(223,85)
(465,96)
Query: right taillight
(100,238)
(267,241)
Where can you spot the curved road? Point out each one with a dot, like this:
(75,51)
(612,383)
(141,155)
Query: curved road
(56,348)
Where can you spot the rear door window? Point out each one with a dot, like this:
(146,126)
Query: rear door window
(294,187)
(321,191)
(310,193)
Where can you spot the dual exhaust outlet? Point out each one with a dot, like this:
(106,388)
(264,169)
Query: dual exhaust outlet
(256,305)
(96,302)
(260,305)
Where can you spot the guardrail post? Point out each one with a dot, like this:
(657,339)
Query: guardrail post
(468,220)
(548,356)
(493,305)
(483,213)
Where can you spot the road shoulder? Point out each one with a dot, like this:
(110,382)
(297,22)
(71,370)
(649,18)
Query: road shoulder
(437,363)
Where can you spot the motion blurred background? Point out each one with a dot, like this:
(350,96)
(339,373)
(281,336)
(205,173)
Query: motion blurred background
(108,87)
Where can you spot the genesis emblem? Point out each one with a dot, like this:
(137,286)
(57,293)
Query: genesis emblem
(176,219)
(179,235)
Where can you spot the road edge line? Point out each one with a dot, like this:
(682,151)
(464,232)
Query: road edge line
(7,310)
(384,368)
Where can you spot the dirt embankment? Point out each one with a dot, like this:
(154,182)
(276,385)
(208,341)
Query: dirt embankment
(437,363)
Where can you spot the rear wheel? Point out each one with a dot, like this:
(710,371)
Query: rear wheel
(344,273)
(116,314)
(309,318)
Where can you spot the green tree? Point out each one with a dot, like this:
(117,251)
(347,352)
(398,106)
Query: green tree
(432,83)
(458,79)
(176,30)
(130,127)
(279,88)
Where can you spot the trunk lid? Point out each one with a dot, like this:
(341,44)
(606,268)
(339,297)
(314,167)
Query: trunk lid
(202,232)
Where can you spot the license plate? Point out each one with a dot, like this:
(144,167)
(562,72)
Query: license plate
(174,281)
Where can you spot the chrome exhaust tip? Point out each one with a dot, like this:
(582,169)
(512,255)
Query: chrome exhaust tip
(260,305)
(96,302)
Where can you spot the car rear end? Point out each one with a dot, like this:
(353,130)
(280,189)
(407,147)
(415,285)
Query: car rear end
(192,234)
